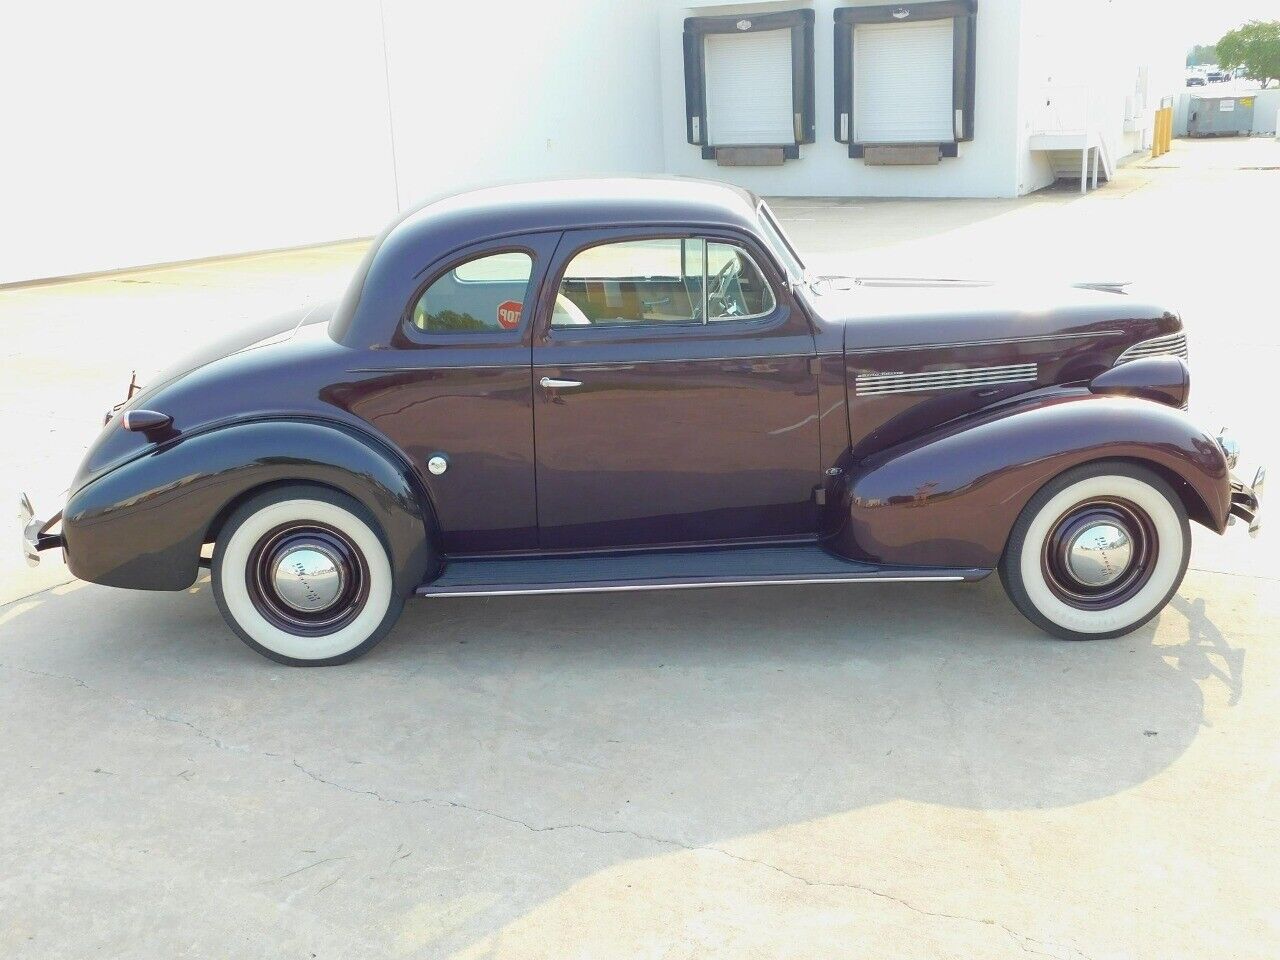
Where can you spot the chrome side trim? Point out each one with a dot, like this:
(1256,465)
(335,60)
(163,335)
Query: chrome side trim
(952,344)
(428,368)
(622,364)
(516,367)
(877,384)
(1170,345)
(526,591)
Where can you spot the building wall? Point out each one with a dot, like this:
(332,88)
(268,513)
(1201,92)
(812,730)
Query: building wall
(1085,59)
(486,92)
(147,132)
(986,167)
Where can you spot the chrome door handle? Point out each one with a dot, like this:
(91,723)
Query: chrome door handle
(550,383)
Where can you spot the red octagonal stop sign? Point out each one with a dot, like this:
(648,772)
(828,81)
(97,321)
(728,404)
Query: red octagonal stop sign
(509,314)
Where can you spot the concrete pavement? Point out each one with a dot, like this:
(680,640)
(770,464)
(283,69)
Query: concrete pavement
(882,771)
(902,771)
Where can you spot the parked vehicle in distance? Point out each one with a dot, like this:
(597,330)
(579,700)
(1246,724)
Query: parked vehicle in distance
(635,384)
(1196,80)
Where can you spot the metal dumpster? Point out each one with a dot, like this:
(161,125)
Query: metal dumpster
(1219,116)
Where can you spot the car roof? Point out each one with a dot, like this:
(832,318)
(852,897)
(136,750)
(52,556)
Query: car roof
(444,224)
(565,204)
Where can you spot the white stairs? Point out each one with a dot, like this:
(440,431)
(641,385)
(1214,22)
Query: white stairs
(1065,132)
(1072,155)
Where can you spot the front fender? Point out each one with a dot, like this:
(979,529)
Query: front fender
(142,525)
(950,497)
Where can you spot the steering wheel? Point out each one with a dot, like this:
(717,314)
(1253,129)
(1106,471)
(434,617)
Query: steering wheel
(720,287)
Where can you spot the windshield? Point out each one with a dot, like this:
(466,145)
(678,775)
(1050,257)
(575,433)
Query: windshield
(779,244)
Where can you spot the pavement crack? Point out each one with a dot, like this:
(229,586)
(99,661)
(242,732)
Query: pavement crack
(1027,943)
(294,873)
(485,812)
(13,602)
(134,704)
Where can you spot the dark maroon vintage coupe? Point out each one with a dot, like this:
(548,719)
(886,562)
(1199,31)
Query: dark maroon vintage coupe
(636,384)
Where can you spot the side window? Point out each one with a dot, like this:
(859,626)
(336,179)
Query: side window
(483,295)
(668,280)
(634,281)
(736,289)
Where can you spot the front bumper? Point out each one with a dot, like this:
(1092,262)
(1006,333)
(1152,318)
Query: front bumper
(35,532)
(1246,501)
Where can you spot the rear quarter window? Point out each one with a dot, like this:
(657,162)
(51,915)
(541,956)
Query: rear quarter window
(483,295)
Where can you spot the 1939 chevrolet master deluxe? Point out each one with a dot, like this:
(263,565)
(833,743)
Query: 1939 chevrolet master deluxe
(634,384)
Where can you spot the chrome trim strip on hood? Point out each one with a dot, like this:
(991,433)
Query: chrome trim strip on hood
(994,341)
(876,384)
(1170,345)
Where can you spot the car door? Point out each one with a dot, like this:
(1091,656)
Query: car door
(674,396)
(454,391)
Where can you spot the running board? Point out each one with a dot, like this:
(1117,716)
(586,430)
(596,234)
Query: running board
(671,570)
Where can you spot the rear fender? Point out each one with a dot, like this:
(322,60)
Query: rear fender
(950,497)
(142,525)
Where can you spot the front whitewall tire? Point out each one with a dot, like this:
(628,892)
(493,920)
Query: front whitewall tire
(1024,567)
(368,621)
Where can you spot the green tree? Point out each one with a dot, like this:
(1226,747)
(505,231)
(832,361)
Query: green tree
(1201,54)
(1256,47)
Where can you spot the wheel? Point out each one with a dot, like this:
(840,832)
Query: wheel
(1097,552)
(303,576)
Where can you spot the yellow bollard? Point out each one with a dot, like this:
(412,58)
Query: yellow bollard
(1162,133)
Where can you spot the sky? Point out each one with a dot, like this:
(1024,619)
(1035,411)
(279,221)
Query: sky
(1204,21)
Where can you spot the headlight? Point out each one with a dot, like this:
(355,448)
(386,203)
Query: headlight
(1230,448)
(1162,379)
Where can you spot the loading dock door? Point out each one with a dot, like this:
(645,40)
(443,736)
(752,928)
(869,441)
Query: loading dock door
(749,95)
(902,82)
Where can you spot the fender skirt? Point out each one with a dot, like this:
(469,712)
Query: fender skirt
(950,498)
(143,524)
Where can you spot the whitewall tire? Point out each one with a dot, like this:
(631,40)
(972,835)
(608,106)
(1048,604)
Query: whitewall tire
(1098,551)
(302,575)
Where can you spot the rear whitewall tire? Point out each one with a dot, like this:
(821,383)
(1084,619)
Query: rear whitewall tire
(370,614)
(1025,572)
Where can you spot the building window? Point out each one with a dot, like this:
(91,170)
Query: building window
(749,86)
(904,80)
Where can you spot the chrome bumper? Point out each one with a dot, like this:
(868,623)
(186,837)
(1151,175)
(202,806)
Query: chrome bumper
(35,532)
(1246,501)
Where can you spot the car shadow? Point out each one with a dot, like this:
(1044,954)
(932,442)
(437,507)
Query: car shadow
(681,719)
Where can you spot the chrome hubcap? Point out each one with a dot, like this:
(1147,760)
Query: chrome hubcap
(308,579)
(1100,554)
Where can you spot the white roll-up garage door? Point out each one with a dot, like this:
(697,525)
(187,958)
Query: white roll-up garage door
(902,78)
(748,77)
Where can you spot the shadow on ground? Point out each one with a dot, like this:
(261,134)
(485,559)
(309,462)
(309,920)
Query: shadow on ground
(520,744)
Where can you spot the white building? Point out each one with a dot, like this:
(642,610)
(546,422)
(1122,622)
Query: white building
(150,132)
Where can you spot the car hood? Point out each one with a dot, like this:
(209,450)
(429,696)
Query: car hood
(919,353)
(887,313)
